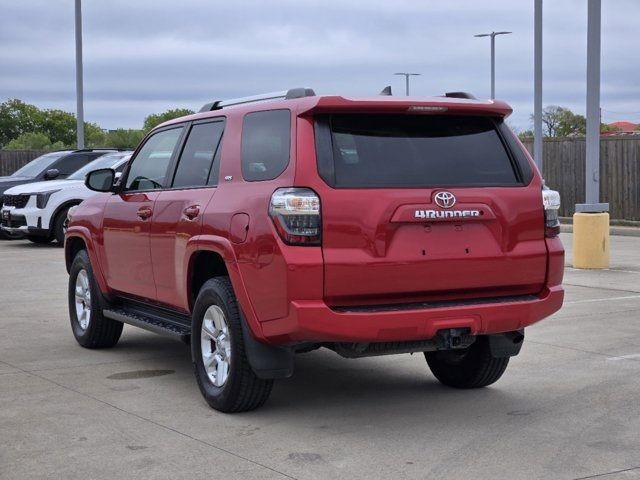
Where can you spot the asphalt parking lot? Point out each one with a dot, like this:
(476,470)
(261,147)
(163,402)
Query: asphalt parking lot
(567,408)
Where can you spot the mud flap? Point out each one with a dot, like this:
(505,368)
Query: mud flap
(506,344)
(267,362)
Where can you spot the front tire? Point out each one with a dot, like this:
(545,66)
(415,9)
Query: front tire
(222,369)
(60,226)
(90,328)
(473,367)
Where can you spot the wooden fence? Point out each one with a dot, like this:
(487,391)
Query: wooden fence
(12,160)
(563,170)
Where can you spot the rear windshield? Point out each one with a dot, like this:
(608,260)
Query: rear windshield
(414,151)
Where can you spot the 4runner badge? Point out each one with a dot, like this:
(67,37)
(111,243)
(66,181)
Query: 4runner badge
(446,214)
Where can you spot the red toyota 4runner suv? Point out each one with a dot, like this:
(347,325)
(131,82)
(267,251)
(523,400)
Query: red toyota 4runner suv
(271,225)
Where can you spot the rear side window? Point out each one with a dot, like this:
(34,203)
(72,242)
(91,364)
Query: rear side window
(266,143)
(196,162)
(412,151)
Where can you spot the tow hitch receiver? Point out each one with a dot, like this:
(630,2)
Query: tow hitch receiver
(454,338)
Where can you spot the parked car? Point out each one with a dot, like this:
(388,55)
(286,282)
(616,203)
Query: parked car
(277,224)
(50,166)
(39,210)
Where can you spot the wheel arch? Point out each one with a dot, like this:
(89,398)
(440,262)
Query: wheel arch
(209,256)
(78,238)
(60,208)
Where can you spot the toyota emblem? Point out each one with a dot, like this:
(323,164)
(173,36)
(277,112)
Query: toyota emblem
(445,199)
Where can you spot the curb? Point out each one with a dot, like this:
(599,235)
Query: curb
(613,230)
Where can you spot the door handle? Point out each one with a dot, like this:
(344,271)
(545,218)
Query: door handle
(145,212)
(192,211)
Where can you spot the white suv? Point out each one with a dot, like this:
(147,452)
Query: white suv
(39,209)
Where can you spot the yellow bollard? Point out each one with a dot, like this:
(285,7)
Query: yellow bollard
(591,240)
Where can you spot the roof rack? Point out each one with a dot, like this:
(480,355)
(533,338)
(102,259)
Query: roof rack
(111,149)
(286,94)
(459,95)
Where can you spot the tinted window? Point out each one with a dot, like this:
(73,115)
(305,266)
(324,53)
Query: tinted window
(37,166)
(105,161)
(149,168)
(412,151)
(194,167)
(70,164)
(265,144)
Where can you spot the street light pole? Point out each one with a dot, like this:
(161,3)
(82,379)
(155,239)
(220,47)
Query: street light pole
(592,187)
(537,83)
(493,58)
(79,93)
(406,78)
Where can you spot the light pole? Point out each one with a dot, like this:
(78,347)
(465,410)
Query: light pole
(79,99)
(406,77)
(493,58)
(537,83)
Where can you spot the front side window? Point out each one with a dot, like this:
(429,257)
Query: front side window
(197,158)
(266,144)
(149,168)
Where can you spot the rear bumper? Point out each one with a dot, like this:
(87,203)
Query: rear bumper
(314,321)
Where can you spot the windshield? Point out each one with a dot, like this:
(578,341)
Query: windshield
(37,166)
(106,161)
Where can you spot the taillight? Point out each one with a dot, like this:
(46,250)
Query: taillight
(551,203)
(296,215)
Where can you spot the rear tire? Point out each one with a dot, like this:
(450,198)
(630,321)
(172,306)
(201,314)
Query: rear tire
(222,369)
(59,226)
(473,367)
(40,240)
(90,328)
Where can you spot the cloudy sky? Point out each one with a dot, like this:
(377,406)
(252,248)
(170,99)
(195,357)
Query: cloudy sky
(146,56)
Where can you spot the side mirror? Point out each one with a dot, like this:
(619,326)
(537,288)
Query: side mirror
(51,174)
(101,180)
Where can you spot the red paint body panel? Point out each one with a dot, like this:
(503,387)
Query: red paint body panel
(171,230)
(374,249)
(125,249)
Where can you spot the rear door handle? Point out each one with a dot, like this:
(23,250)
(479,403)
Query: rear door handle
(192,211)
(145,212)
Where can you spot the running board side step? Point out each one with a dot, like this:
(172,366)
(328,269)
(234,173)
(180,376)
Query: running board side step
(154,324)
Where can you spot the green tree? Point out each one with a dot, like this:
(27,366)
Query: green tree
(58,125)
(33,141)
(123,138)
(156,119)
(94,136)
(562,122)
(525,134)
(16,118)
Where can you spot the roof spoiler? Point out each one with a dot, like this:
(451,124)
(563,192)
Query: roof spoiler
(460,95)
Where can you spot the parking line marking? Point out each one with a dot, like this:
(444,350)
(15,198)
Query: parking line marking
(624,357)
(592,300)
